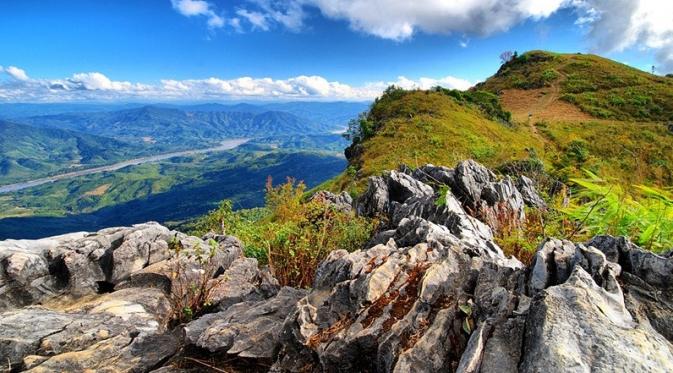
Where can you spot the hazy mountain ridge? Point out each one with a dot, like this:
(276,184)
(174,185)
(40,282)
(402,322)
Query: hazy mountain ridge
(178,127)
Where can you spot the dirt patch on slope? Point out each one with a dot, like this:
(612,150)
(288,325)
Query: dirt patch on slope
(542,103)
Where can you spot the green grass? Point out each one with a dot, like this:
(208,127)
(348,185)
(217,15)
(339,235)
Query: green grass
(598,86)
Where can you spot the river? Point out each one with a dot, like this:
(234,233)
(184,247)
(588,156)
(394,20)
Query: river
(224,145)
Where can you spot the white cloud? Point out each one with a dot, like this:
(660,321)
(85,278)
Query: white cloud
(256,19)
(612,25)
(192,8)
(400,19)
(615,25)
(15,73)
(97,86)
(99,82)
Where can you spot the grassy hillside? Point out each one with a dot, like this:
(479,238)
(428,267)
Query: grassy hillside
(27,152)
(599,87)
(418,127)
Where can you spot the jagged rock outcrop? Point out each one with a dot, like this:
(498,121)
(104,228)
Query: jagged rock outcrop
(435,293)
(103,301)
(472,189)
(432,292)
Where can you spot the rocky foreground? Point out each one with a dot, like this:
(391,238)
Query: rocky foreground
(431,293)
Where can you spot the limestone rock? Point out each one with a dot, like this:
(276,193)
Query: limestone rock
(342,201)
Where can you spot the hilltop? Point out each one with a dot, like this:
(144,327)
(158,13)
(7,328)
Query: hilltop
(580,86)
(565,135)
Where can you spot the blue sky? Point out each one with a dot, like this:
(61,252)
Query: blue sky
(346,49)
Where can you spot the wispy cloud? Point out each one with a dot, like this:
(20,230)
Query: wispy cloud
(194,8)
(97,86)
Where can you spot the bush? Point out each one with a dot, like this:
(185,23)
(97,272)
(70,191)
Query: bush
(549,75)
(577,152)
(486,101)
(291,235)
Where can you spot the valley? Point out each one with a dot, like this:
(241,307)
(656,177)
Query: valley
(90,169)
(225,145)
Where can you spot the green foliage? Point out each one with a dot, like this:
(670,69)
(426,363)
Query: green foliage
(291,235)
(441,199)
(645,214)
(549,76)
(577,152)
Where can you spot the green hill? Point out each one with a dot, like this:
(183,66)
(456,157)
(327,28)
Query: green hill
(597,86)
(442,126)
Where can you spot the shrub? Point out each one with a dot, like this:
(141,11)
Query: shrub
(577,151)
(292,235)
(487,102)
(549,75)
(522,240)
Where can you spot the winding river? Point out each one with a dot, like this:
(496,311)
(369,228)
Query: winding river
(224,145)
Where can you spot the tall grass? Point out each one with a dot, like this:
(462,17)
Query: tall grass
(643,213)
(290,234)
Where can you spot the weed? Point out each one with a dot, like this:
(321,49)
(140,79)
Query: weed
(192,279)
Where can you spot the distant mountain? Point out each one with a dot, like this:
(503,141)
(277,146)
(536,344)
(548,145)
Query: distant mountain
(27,152)
(179,127)
(240,108)
(333,114)
(172,190)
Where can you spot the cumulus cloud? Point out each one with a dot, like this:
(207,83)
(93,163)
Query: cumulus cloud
(97,86)
(615,25)
(611,25)
(400,19)
(192,8)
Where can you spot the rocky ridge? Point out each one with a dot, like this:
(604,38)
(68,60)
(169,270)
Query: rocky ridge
(432,291)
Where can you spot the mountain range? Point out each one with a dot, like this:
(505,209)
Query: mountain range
(41,145)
